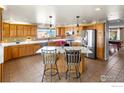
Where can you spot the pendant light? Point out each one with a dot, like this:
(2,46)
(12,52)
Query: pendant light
(50,21)
(50,25)
(77,17)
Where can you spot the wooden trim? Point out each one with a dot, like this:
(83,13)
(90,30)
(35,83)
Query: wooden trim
(1,72)
(20,23)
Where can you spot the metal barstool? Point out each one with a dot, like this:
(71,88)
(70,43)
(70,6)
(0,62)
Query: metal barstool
(50,58)
(73,58)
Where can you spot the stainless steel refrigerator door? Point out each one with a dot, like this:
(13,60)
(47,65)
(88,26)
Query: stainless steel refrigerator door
(89,41)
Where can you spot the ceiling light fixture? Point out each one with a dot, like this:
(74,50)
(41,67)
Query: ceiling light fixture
(77,23)
(84,21)
(50,21)
(97,9)
(77,20)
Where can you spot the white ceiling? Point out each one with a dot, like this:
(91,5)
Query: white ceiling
(62,14)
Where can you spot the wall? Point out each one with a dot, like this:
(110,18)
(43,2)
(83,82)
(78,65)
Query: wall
(122,34)
(9,39)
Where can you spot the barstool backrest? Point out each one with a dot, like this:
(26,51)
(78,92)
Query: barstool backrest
(49,56)
(73,56)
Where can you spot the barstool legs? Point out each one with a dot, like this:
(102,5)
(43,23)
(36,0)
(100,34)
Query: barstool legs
(78,75)
(51,68)
(44,72)
(51,73)
(57,72)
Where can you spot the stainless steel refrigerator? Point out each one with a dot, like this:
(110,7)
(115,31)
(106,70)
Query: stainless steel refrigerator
(89,40)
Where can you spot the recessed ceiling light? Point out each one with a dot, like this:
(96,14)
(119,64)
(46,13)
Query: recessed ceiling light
(97,9)
(84,21)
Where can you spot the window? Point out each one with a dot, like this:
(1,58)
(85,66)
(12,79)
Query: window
(46,33)
(114,34)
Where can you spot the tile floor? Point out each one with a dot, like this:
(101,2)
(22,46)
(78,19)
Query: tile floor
(30,69)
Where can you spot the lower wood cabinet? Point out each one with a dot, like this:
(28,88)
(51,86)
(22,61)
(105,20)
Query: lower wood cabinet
(1,72)
(17,51)
(29,49)
(22,50)
(7,53)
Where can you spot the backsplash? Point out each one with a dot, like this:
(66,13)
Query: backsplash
(8,39)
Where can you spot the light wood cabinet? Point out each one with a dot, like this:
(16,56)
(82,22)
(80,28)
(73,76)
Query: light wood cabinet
(29,50)
(22,50)
(7,53)
(12,52)
(1,72)
(33,30)
(100,40)
(15,51)
(25,30)
(6,30)
(12,30)
(20,30)
(61,31)
(28,30)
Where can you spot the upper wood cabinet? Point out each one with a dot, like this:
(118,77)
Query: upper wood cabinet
(6,30)
(13,30)
(61,31)
(18,30)
(26,30)
(33,30)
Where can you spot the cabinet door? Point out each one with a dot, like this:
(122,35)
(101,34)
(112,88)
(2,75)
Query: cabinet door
(22,50)
(33,30)
(62,31)
(20,30)
(28,31)
(7,53)
(29,50)
(12,30)
(25,30)
(15,51)
(6,32)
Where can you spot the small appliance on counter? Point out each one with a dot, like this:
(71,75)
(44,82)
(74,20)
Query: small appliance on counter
(28,39)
